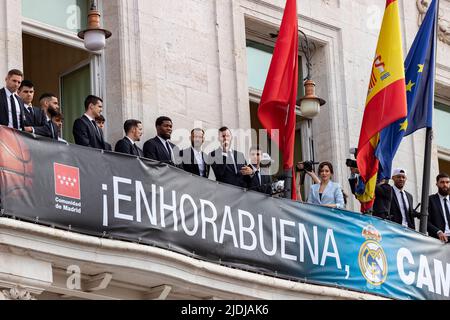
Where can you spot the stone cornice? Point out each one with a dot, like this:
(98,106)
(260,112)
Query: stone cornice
(444,22)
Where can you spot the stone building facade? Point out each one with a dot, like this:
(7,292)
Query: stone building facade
(190,60)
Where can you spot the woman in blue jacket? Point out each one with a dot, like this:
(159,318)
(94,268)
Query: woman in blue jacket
(327,193)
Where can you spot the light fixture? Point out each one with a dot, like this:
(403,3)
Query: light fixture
(310,103)
(94,36)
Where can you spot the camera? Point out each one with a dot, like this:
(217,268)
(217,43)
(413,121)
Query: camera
(306,166)
(351,163)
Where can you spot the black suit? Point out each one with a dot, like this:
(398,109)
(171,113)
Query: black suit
(189,162)
(51,128)
(396,214)
(125,146)
(154,149)
(38,120)
(4,112)
(224,169)
(263,186)
(436,221)
(87,135)
(383,200)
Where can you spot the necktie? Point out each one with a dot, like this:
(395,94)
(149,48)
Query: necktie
(447,213)
(96,127)
(14,113)
(52,129)
(30,110)
(259,177)
(169,150)
(136,150)
(404,206)
(231,158)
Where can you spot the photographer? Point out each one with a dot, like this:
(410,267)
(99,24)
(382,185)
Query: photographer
(303,169)
(353,180)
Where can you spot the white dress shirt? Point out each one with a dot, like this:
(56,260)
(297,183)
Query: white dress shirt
(398,194)
(132,142)
(199,159)
(165,146)
(231,152)
(10,115)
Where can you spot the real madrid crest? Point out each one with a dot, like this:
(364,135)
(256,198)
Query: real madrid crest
(372,259)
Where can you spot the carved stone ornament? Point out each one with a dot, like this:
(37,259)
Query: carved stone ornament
(444,24)
(16,294)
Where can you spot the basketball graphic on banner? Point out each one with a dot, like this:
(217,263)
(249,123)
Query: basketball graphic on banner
(15,163)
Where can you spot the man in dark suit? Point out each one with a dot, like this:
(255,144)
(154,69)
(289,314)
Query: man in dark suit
(85,129)
(229,165)
(133,133)
(193,159)
(401,210)
(50,107)
(260,180)
(12,110)
(35,118)
(439,210)
(160,148)
(383,199)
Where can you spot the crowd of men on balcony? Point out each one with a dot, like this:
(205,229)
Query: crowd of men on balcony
(229,166)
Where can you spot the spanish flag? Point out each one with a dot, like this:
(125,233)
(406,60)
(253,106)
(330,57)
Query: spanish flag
(386,99)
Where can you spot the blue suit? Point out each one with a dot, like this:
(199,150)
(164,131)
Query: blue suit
(331,195)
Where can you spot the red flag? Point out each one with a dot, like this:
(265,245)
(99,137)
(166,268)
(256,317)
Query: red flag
(277,108)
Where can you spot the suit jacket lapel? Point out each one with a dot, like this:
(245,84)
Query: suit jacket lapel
(194,162)
(437,203)
(4,102)
(161,145)
(394,195)
(22,110)
(91,127)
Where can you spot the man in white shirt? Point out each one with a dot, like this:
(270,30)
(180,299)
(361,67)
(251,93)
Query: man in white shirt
(193,159)
(401,210)
(439,210)
(12,109)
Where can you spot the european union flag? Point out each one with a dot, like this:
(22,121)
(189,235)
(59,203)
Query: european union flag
(420,66)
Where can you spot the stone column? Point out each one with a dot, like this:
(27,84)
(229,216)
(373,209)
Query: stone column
(10,36)
(124,87)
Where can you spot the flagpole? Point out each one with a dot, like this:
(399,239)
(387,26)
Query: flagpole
(428,149)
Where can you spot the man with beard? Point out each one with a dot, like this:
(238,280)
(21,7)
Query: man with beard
(160,148)
(401,210)
(133,133)
(193,158)
(50,107)
(35,119)
(439,210)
